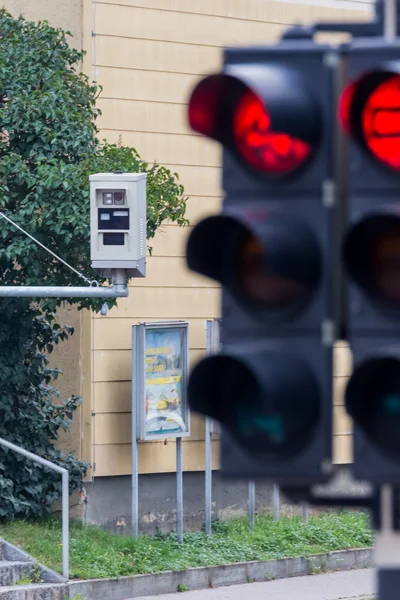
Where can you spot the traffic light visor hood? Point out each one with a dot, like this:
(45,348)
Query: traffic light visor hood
(271,404)
(271,264)
(265,114)
(371,255)
(369,111)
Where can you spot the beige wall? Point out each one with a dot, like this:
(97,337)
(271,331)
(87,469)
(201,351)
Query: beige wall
(60,13)
(147,55)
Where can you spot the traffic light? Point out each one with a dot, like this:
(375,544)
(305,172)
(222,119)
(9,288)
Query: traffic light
(272,110)
(370,115)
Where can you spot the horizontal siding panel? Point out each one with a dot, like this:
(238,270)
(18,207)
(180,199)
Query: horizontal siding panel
(156,457)
(116,365)
(165,148)
(140,115)
(199,181)
(145,85)
(116,428)
(198,207)
(155,55)
(342,361)
(257,10)
(342,423)
(342,449)
(186,27)
(116,334)
(170,271)
(112,396)
(355,12)
(170,241)
(112,428)
(168,303)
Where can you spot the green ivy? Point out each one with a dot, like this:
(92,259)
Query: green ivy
(48,149)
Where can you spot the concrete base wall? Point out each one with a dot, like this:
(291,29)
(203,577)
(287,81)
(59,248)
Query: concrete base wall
(108,500)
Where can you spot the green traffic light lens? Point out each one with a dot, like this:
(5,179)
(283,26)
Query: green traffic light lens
(270,404)
(373,400)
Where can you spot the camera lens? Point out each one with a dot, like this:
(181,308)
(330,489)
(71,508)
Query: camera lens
(118,198)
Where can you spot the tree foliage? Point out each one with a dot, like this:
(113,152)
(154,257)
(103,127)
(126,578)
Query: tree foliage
(48,149)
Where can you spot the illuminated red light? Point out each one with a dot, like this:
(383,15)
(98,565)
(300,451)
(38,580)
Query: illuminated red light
(344,106)
(204,104)
(380,122)
(267,150)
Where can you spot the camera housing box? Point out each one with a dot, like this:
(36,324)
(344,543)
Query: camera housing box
(118,223)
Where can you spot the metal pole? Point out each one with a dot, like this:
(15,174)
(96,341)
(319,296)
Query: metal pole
(252,504)
(305,511)
(135,469)
(390,20)
(179,491)
(29,291)
(65,524)
(276,502)
(208,486)
(387,547)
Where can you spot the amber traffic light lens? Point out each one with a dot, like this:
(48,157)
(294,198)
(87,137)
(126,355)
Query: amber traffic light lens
(372,257)
(270,151)
(386,265)
(267,281)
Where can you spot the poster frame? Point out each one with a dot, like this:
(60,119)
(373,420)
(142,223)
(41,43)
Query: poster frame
(139,385)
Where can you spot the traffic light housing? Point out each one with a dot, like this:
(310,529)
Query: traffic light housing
(370,115)
(271,386)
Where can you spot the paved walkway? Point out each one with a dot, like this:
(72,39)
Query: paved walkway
(332,586)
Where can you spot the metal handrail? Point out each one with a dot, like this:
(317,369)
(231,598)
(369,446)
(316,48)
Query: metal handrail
(64,497)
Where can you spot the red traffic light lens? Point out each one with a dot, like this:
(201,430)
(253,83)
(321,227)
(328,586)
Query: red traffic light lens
(380,122)
(369,111)
(266,115)
(204,105)
(345,106)
(267,150)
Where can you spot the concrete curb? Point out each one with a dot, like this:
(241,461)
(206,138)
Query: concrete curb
(210,577)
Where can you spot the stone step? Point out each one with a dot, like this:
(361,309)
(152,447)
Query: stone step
(3,550)
(12,571)
(40,591)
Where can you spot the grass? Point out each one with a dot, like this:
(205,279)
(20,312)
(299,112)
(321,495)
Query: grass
(96,554)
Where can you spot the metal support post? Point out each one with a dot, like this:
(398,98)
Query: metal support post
(387,549)
(276,503)
(390,20)
(179,491)
(208,476)
(252,504)
(136,375)
(65,523)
